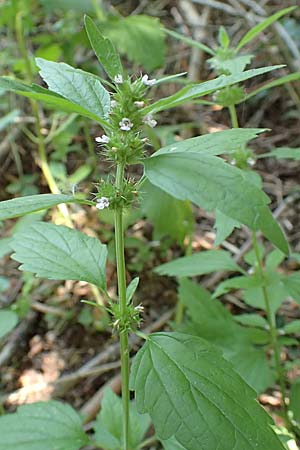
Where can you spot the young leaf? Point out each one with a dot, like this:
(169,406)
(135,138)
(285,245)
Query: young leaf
(57,252)
(131,288)
(223,38)
(283,153)
(43,425)
(292,327)
(108,425)
(212,184)
(24,205)
(51,99)
(219,143)
(191,394)
(8,320)
(199,264)
(262,26)
(199,90)
(104,49)
(75,85)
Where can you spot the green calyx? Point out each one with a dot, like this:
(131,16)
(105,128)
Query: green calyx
(128,320)
(117,199)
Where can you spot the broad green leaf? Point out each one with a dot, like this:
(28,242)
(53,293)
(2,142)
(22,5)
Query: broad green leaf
(199,90)
(50,98)
(131,288)
(42,426)
(251,320)
(24,205)
(283,153)
(140,38)
(199,264)
(192,393)
(104,49)
(278,82)
(276,290)
(190,41)
(209,319)
(292,327)
(292,285)
(211,183)
(108,425)
(8,320)
(262,26)
(75,85)
(295,401)
(154,205)
(224,226)
(219,143)
(57,252)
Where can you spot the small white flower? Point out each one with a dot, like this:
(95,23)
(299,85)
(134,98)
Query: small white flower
(148,120)
(233,162)
(113,103)
(118,79)
(102,139)
(102,203)
(147,82)
(251,161)
(139,308)
(125,124)
(139,104)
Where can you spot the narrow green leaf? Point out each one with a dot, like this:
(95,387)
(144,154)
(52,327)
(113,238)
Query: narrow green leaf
(221,142)
(295,401)
(283,153)
(262,26)
(104,49)
(75,85)
(131,288)
(191,394)
(50,98)
(60,253)
(251,320)
(199,264)
(292,327)
(43,425)
(278,82)
(223,38)
(199,90)
(108,425)
(8,320)
(24,205)
(190,41)
(212,184)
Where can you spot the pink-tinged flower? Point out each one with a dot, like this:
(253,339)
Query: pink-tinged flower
(102,139)
(102,203)
(118,79)
(148,120)
(147,82)
(125,124)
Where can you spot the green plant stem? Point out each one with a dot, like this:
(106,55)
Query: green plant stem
(121,274)
(273,330)
(270,314)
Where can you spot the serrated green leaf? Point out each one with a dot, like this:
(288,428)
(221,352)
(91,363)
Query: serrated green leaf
(156,202)
(292,327)
(75,85)
(219,143)
(108,425)
(191,393)
(50,98)
(57,252)
(262,26)
(24,205)
(43,425)
(140,38)
(199,90)
(104,49)
(8,320)
(283,153)
(199,264)
(211,183)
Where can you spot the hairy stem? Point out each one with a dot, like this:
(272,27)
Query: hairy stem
(121,273)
